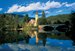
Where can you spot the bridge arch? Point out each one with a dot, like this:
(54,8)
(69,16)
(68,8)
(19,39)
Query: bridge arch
(48,28)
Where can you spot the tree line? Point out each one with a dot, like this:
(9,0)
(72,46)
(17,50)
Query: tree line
(11,21)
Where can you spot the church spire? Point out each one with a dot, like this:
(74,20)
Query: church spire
(36,19)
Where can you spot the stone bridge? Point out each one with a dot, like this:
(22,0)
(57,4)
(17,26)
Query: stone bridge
(52,28)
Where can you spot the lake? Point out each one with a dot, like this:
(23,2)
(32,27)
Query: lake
(51,44)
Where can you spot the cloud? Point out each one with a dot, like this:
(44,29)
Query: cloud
(14,8)
(64,3)
(52,4)
(59,11)
(47,12)
(0,9)
(34,6)
(69,5)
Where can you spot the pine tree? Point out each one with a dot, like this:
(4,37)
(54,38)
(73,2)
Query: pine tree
(43,18)
(26,18)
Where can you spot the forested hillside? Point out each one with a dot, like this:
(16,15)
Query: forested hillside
(58,18)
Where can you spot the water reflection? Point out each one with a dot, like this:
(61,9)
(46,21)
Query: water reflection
(27,37)
(10,36)
(43,37)
(19,35)
(43,40)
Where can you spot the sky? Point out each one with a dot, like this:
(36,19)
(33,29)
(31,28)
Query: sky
(51,7)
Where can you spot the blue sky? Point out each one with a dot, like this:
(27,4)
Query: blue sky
(51,7)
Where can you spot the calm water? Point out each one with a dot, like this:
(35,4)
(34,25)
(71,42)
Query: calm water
(51,44)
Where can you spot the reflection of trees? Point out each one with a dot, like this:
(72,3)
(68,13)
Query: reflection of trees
(27,37)
(71,33)
(11,36)
(48,28)
(62,28)
(73,26)
(43,37)
(2,36)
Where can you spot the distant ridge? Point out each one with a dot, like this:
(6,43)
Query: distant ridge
(20,16)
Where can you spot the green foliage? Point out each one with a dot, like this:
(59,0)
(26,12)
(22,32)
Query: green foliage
(58,18)
(43,14)
(72,18)
(2,21)
(27,28)
(72,21)
(43,20)
(26,18)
